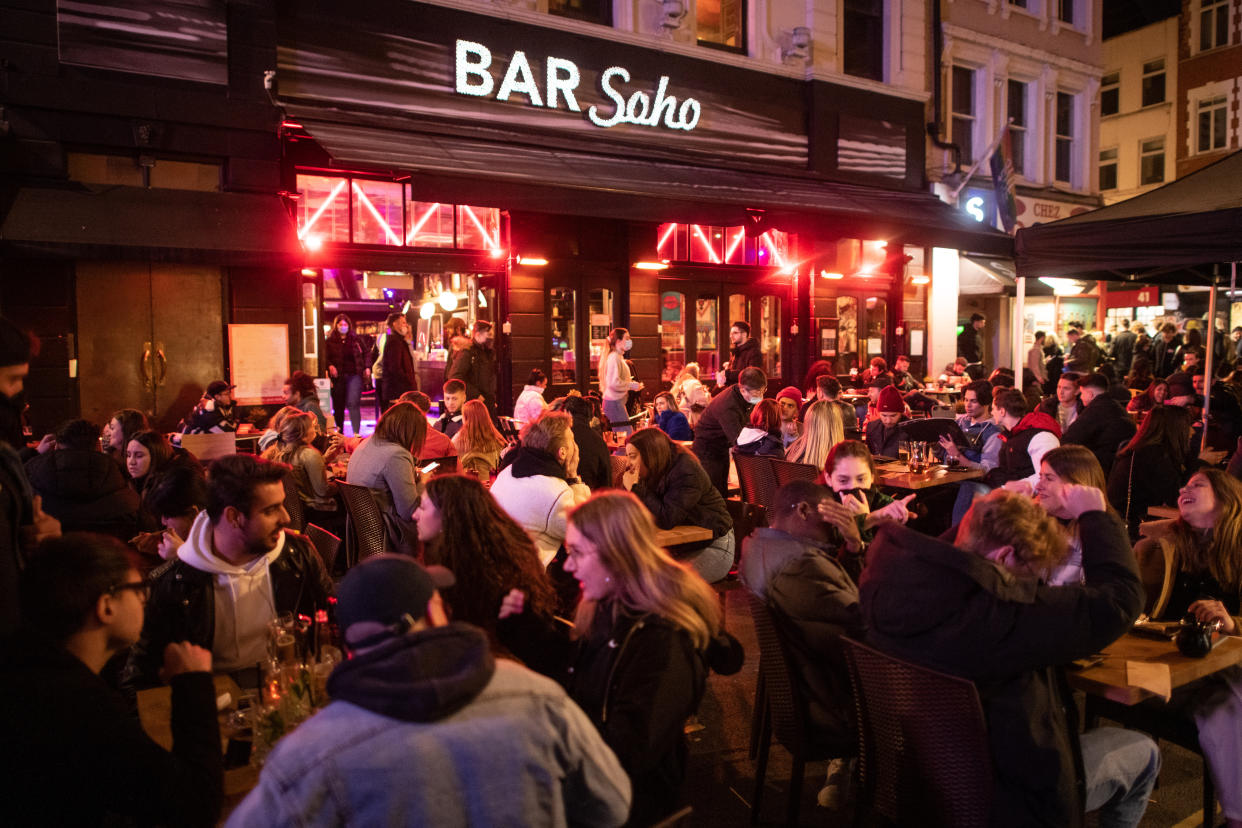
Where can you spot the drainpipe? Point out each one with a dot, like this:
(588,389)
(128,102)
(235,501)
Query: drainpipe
(934,128)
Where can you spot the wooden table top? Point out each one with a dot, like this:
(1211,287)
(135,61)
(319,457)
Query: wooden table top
(679,535)
(898,476)
(1113,680)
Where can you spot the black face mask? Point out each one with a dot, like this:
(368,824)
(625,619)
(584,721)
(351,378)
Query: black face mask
(859,493)
(12,410)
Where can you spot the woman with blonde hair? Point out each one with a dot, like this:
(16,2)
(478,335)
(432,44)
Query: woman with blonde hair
(645,635)
(478,443)
(1191,566)
(689,393)
(310,468)
(822,428)
(1061,467)
(384,463)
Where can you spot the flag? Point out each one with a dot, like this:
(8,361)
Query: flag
(1003,181)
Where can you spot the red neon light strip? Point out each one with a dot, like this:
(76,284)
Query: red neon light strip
(672,228)
(366,202)
(776,254)
(493,243)
(418,225)
(741,234)
(322,208)
(707,245)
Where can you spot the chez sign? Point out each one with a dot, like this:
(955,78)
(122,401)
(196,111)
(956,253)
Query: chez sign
(561,80)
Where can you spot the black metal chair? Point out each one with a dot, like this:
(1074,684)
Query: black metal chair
(780,710)
(757,481)
(326,544)
(365,532)
(923,743)
(787,472)
(293,505)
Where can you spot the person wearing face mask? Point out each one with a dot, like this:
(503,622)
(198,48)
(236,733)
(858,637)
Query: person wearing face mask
(23,523)
(722,421)
(347,368)
(850,472)
(476,367)
(616,381)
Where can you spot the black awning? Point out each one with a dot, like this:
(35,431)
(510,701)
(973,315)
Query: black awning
(554,180)
(236,229)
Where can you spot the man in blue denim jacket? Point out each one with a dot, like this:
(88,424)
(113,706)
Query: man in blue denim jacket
(426,728)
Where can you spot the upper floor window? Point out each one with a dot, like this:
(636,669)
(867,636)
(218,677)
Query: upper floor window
(964,111)
(1022,4)
(708,244)
(1065,12)
(1108,169)
(1212,123)
(1213,24)
(862,53)
(1110,94)
(1153,82)
(1064,168)
(592,11)
(721,24)
(1151,161)
(1017,124)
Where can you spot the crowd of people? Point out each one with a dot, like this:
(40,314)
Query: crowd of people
(129,564)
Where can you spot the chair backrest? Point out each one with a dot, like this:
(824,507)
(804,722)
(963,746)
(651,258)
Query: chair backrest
(326,544)
(293,504)
(208,447)
(785,702)
(757,481)
(787,472)
(923,743)
(365,532)
(619,464)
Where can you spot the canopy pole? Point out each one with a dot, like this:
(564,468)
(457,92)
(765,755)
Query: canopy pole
(1211,343)
(1019,328)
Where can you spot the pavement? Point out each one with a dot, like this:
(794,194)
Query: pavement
(721,777)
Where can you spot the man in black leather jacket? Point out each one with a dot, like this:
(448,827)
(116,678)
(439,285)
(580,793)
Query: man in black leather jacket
(238,570)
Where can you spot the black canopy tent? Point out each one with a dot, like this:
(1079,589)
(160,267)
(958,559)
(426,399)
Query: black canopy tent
(1178,234)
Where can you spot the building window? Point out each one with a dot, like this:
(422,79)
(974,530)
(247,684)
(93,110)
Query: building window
(1110,93)
(721,24)
(1153,82)
(1065,137)
(1021,4)
(1065,11)
(863,39)
(1212,122)
(1213,24)
(964,111)
(708,244)
(592,11)
(1151,161)
(1017,125)
(1108,169)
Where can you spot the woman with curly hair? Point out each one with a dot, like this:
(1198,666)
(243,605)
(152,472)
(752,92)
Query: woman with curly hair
(822,428)
(463,528)
(478,443)
(645,635)
(310,468)
(1192,566)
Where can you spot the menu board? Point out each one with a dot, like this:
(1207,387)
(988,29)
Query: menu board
(258,363)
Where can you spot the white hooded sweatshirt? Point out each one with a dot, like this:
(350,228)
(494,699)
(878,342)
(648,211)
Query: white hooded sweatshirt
(244,599)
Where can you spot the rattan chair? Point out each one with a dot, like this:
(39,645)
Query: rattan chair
(923,743)
(326,544)
(619,464)
(293,505)
(365,533)
(781,711)
(787,472)
(757,481)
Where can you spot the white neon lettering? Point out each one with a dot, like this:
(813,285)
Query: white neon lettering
(688,123)
(975,207)
(667,105)
(563,78)
(637,109)
(526,85)
(605,81)
(467,69)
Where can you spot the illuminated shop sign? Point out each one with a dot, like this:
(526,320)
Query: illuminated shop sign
(980,205)
(560,86)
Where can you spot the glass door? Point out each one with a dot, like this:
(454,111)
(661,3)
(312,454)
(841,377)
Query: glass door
(707,343)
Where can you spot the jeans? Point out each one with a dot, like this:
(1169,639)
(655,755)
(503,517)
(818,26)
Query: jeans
(966,493)
(615,411)
(713,561)
(347,395)
(1121,767)
(1215,705)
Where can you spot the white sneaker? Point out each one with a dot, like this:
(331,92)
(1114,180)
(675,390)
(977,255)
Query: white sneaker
(836,791)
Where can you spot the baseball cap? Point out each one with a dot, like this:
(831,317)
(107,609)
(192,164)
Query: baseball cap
(384,589)
(219,387)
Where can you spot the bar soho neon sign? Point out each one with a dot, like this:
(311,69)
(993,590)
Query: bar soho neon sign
(474,78)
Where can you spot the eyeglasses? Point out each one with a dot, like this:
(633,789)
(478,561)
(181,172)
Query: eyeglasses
(141,588)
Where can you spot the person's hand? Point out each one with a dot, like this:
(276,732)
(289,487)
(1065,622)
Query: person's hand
(513,604)
(1019,487)
(1211,610)
(170,542)
(42,525)
(839,516)
(857,504)
(720,377)
(1212,456)
(629,478)
(46,444)
(336,444)
(1079,499)
(147,543)
(897,510)
(184,657)
(950,449)
(332,371)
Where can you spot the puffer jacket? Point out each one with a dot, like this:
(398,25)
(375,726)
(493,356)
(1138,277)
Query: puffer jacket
(85,491)
(685,496)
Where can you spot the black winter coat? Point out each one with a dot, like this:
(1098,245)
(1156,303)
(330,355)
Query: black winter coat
(716,432)
(685,496)
(182,606)
(85,491)
(746,355)
(15,511)
(1102,427)
(954,611)
(398,367)
(476,367)
(1157,477)
(594,463)
(346,354)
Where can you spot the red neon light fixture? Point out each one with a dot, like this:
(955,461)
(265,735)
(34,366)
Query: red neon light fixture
(766,238)
(327,202)
(366,202)
(735,242)
(494,244)
(707,245)
(422,220)
(313,242)
(672,228)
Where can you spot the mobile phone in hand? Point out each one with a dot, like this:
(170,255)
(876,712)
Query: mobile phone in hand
(430,467)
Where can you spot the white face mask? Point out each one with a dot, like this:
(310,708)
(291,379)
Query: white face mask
(626,344)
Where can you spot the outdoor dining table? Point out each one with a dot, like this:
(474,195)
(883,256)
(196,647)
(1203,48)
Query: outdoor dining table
(680,535)
(899,476)
(1135,667)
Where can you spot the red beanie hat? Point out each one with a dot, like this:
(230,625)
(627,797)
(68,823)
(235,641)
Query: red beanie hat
(791,393)
(890,401)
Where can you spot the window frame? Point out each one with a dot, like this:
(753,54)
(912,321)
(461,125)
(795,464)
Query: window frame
(1023,129)
(1211,9)
(1068,137)
(604,17)
(955,114)
(881,45)
(743,47)
(1111,162)
(1106,87)
(1145,153)
(1220,106)
(1149,74)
